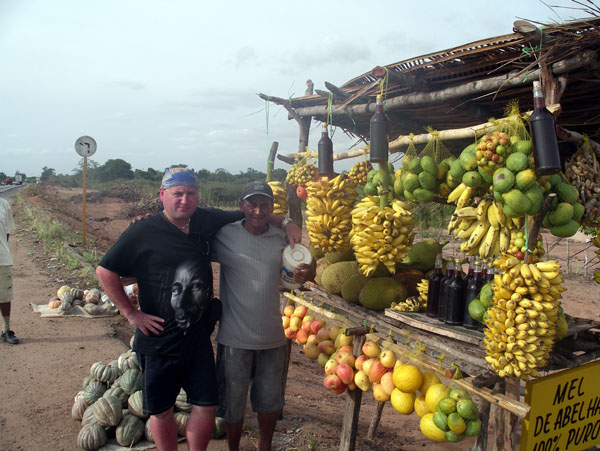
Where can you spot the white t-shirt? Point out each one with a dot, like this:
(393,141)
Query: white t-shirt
(6,227)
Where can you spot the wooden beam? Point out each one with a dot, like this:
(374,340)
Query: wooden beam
(398,77)
(513,79)
(338,93)
(532,33)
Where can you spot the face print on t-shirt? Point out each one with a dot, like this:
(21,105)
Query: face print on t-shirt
(190,294)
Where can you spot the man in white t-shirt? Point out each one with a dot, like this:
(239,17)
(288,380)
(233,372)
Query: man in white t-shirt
(6,275)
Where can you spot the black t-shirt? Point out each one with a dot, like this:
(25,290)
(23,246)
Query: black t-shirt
(173,273)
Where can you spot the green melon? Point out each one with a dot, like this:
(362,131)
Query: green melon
(429,165)
(517,161)
(426,180)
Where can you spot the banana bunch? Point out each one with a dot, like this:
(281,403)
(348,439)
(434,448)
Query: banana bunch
(279,198)
(329,207)
(423,288)
(380,236)
(411,304)
(461,195)
(522,322)
(487,231)
(596,242)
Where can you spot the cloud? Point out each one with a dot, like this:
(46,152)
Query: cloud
(242,56)
(129,84)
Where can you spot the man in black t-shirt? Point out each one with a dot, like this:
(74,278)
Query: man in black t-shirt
(168,254)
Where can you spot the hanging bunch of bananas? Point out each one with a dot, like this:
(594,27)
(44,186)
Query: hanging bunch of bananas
(411,304)
(461,195)
(522,322)
(487,231)
(328,209)
(423,288)
(280,207)
(596,242)
(380,236)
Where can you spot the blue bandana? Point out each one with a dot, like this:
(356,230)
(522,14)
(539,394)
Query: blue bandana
(179,177)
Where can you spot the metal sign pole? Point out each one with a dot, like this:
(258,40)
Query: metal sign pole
(85,146)
(83,204)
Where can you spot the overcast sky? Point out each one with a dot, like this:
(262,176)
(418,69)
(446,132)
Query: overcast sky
(158,82)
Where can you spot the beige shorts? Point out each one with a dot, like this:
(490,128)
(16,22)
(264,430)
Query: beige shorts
(6,284)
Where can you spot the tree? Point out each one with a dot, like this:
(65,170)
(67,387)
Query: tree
(47,174)
(115,169)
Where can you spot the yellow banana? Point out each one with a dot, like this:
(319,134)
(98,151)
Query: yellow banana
(456,193)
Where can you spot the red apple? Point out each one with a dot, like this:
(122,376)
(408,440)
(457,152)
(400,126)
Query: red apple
(330,366)
(316,325)
(289,333)
(343,340)
(301,311)
(301,336)
(342,349)
(358,363)
(288,310)
(339,390)
(323,334)
(326,347)
(387,382)
(379,393)
(312,338)
(345,373)
(346,357)
(332,382)
(311,351)
(376,371)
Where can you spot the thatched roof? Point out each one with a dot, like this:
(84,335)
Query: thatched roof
(467,85)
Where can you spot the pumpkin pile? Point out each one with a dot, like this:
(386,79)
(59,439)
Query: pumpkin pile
(110,405)
(90,300)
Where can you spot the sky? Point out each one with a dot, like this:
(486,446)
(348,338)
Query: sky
(162,82)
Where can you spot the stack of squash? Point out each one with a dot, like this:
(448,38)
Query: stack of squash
(90,300)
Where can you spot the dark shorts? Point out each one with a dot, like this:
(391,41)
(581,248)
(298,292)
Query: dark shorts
(260,371)
(163,377)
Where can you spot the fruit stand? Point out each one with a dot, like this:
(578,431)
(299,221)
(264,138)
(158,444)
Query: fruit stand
(504,186)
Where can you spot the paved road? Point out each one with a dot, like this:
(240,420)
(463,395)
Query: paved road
(9,191)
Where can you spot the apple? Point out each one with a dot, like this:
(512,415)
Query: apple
(330,366)
(345,357)
(323,334)
(332,382)
(316,325)
(345,373)
(362,381)
(343,349)
(311,350)
(376,370)
(339,390)
(351,386)
(289,333)
(387,382)
(388,358)
(371,349)
(326,347)
(312,338)
(366,366)
(301,336)
(300,311)
(379,393)
(358,363)
(343,340)
(285,321)
(288,310)
(322,359)
(334,331)
(295,323)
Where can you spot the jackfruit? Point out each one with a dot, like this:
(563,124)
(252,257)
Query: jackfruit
(561,215)
(525,179)
(429,165)
(426,180)
(517,161)
(334,257)
(566,192)
(422,255)
(517,201)
(380,292)
(503,180)
(565,230)
(352,286)
(322,263)
(334,276)
(315,253)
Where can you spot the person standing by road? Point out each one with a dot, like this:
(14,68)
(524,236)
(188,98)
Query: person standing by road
(6,275)
(168,254)
(252,348)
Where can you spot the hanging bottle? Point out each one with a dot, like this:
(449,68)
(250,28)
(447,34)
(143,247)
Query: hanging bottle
(472,290)
(455,302)
(444,290)
(378,135)
(433,290)
(543,135)
(325,148)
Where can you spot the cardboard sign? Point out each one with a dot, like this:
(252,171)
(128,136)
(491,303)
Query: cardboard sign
(565,410)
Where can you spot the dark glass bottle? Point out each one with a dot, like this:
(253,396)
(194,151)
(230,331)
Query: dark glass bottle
(469,274)
(543,135)
(378,134)
(444,290)
(325,148)
(455,301)
(472,290)
(489,273)
(433,290)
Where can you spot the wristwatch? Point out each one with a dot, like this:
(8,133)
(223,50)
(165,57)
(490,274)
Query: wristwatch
(285,222)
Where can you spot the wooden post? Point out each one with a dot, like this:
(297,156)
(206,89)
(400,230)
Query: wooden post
(352,408)
(511,389)
(271,160)
(375,420)
(484,416)
(499,421)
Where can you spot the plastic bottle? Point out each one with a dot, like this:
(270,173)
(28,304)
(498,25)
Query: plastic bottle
(455,302)
(543,135)
(378,134)
(433,290)
(472,290)
(325,147)
(444,290)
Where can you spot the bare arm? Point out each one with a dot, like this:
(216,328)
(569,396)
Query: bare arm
(111,282)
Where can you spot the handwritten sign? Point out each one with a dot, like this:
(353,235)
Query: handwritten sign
(565,410)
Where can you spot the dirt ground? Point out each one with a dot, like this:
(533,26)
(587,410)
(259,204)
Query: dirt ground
(40,376)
